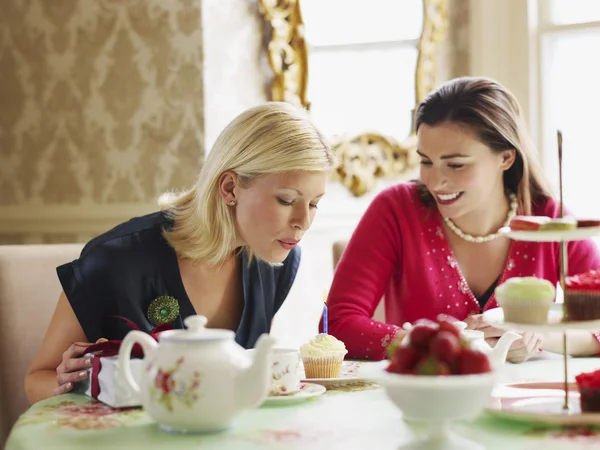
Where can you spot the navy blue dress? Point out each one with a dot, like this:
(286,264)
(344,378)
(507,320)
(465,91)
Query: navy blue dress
(121,272)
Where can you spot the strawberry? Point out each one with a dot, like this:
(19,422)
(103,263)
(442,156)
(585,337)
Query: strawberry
(405,359)
(393,367)
(445,318)
(432,366)
(448,327)
(445,346)
(421,335)
(473,362)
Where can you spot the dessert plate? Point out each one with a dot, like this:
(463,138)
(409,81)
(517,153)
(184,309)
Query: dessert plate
(576,234)
(495,318)
(307,390)
(540,403)
(349,376)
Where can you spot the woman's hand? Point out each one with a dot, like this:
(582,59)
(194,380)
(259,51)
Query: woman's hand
(526,347)
(520,350)
(476,322)
(73,368)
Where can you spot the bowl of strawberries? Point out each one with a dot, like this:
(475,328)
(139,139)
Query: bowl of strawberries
(433,375)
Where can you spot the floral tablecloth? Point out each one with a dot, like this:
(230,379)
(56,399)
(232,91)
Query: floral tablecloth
(352,417)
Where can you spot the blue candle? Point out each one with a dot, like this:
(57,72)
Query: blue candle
(325,319)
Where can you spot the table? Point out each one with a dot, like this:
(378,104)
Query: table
(358,417)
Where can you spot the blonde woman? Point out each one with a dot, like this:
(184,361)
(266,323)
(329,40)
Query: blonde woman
(225,249)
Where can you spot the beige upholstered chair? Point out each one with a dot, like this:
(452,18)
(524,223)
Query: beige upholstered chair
(338,249)
(29,290)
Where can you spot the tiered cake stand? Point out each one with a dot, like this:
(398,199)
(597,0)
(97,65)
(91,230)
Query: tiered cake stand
(551,409)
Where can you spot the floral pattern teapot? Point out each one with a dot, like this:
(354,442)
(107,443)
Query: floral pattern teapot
(199,379)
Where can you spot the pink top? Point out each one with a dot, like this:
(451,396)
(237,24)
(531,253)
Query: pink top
(400,249)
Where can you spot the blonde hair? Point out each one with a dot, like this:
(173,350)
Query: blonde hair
(493,113)
(274,137)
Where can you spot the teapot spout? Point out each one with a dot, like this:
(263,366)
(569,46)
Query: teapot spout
(498,354)
(253,384)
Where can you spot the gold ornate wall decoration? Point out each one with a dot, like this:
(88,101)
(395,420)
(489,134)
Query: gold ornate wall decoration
(363,157)
(287,51)
(435,27)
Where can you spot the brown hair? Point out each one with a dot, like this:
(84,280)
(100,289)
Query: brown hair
(494,115)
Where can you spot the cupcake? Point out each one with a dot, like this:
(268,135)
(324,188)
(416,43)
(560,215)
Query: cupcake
(589,389)
(582,296)
(323,356)
(525,299)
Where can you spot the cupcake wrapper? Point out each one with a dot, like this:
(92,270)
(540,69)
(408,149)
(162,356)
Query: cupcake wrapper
(582,305)
(323,367)
(525,311)
(590,400)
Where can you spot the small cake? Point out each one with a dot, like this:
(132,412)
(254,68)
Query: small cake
(323,356)
(559,224)
(588,223)
(525,299)
(542,223)
(582,296)
(528,223)
(589,389)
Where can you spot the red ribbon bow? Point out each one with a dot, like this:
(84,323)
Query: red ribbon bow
(111,348)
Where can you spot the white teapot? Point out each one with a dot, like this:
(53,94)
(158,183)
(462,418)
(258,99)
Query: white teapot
(199,379)
(475,338)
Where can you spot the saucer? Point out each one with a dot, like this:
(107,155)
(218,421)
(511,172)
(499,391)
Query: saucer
(349,376)
(551,235)
(307,390)
(495,318)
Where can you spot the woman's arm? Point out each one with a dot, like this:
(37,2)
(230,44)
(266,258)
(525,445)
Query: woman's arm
(579,343)
(361,278)
(56,367)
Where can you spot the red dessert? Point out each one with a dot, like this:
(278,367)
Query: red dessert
(582,296)
(436,348)
(588,223)
(589,388)
(528,223)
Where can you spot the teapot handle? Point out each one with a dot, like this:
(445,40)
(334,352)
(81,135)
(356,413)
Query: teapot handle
(148,345)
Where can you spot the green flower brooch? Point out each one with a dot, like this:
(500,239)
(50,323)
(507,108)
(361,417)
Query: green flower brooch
(163,309)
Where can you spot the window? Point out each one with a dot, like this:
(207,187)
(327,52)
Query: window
(569,98)
(362,59)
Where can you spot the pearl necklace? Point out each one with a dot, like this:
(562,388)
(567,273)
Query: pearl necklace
(490,237)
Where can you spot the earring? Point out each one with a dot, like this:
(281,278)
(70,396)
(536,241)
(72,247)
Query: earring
(232,203)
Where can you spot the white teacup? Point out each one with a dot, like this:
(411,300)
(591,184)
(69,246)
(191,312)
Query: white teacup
(285,371)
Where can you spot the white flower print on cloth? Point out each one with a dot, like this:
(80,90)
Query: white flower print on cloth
(386,340)
(463,287)
(439,233)
(452,261)
(511,264)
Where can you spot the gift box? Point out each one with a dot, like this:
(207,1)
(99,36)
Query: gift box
(105,381)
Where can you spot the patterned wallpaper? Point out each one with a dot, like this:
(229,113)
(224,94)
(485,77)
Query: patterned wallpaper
(101,101)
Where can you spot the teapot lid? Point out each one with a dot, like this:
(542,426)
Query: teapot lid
(196,332)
